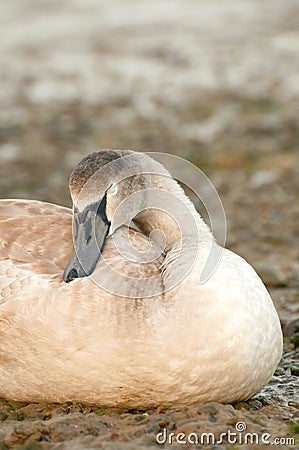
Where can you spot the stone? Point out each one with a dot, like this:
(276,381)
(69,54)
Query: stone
(270,274)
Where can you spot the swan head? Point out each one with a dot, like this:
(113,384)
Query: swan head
(98,185)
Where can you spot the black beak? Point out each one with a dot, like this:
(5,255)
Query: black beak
(90,229)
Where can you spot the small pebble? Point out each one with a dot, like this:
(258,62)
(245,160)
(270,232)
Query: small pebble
(114,436)
(262,177)
(139,418)
(9,152)
(270,274)
(160,409)
(213,418)
(278,372)
(163,423)
(241,405)
(255,404)
(210,409)
(294,404)
(295,370)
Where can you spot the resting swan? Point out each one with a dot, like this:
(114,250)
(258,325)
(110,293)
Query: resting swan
(80,320)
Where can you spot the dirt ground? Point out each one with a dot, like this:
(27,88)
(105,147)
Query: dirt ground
(214,82)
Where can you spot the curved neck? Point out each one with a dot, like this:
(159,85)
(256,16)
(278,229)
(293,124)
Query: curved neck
(172,218)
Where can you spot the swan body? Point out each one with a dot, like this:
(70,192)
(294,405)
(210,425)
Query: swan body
(81,341)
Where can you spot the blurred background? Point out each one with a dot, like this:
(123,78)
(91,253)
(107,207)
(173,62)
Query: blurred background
(216,82)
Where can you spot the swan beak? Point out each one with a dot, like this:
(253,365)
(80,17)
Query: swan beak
(90,229)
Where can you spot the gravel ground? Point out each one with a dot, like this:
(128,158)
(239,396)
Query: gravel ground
(214,82)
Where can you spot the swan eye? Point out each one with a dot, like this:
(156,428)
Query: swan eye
(113,189)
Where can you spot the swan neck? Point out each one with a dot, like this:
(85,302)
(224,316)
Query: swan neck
(172,222)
